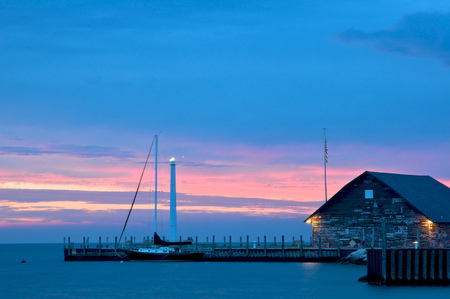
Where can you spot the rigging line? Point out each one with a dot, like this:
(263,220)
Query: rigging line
(137,190)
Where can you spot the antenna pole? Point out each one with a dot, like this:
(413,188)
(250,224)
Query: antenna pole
(156,181)
(325,161)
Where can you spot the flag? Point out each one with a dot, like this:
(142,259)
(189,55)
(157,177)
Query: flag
(326,151)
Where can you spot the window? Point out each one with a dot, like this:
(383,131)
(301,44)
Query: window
(369,194)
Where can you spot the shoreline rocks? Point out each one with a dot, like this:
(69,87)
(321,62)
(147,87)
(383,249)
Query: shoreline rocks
(358,257)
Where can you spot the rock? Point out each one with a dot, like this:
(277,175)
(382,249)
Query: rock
(365,278)
(358,257)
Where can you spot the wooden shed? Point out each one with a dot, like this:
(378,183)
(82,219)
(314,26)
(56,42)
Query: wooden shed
(416,209)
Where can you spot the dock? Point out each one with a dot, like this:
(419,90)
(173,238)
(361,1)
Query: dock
(408,266)
(217,252)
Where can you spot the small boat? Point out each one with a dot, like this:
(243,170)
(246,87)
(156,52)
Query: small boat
(161,249)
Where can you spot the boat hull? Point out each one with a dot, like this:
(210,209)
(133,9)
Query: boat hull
(172,256)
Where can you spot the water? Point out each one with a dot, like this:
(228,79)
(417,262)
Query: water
(45,274)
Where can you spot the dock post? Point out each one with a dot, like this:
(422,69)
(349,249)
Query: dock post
(383,250)
(282,245)
(99,246)
(224,241)
(425,267)
(274,241)
(240,242)
(320,246)
(448,265)
(293,241)
(339,247)
(301,245)
(265,246)
(207,239)
(84,245)
(68,246)
(131,242)
(248,251)
(259,244)
(196,243)
(432,263)
(64,242)
(214,245)
(107,242)
(230,247)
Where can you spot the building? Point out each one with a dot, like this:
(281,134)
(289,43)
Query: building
(416,210)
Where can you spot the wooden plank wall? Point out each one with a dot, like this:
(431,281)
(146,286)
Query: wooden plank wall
(409,267)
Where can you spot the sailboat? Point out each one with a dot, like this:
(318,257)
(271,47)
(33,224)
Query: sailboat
(161,249)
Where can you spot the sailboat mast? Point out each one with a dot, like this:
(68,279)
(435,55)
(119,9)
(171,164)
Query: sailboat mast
(156,181)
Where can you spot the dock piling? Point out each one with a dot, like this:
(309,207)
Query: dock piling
(320,246)
(265,246)
(301,245)
(248,251)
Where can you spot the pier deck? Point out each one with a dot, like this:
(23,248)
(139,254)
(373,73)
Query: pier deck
(296,252)
(221,255)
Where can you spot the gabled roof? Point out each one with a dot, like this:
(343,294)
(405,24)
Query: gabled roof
(422,192)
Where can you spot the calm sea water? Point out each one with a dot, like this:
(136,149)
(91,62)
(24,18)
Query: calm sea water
(45,274)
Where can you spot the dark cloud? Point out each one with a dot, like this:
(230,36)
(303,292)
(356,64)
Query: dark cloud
(91,151)
(203,164)
(34,196)
(76,223)
(419,35)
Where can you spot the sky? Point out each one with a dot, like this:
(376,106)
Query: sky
(239,93)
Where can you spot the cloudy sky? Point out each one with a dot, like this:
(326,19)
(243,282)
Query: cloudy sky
(239,93)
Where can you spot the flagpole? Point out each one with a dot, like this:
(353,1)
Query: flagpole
(325,161)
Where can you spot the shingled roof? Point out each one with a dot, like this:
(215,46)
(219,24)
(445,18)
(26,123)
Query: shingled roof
(422,192)
(429,196)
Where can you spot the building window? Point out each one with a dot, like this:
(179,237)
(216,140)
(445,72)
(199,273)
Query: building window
(369,194)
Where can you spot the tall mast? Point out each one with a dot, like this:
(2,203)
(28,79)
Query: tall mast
(156,181)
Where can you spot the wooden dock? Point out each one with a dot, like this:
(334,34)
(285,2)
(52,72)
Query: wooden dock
(264,252)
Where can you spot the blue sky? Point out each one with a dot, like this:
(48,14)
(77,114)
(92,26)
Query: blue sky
(239,92)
